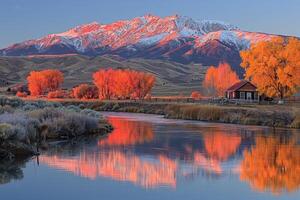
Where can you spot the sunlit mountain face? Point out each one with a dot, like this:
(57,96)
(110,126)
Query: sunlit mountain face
(176,38)
(152,155)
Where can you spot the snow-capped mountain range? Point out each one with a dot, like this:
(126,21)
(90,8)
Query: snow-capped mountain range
(177,38)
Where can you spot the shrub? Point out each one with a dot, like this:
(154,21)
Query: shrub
(61,124)
(29,107)
(22,127)
(85,91)
(73,108)
(21,94)
(57,94)
(13,102)
(196,95)
(6,109)
(296,121)
(115,107)
(4,131)
(91,113)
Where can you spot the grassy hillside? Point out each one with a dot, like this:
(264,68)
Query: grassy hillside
(172,78)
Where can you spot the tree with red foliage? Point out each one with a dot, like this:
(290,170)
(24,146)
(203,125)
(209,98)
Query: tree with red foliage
(218,79)
(122,87)
(104,80)
(123,84)
(196,95)
(141,84)
(42,82)
(21,94)
(85,91)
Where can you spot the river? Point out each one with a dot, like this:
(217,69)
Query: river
(149,157)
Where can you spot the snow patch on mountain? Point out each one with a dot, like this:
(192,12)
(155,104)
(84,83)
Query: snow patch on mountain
(189,27)
(232,38)
(153,39)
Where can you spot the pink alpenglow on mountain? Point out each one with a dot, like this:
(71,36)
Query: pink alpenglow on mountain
(177,38)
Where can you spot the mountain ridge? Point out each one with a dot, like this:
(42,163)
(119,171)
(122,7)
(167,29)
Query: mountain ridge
(175,38)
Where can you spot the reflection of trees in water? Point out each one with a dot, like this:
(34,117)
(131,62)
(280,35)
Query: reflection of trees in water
(128,133)
(147,169)
(273,164)
(11,170)
(220,145)
(148,172)
(130,153)
(120,166)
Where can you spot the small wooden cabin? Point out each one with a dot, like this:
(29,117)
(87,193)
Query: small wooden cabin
(242,90)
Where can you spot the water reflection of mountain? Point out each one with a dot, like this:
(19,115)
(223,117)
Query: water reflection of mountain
(152,155)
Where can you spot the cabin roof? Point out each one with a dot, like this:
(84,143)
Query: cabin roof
(238,85)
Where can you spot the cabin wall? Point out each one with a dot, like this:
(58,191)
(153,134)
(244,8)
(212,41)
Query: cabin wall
(242,95)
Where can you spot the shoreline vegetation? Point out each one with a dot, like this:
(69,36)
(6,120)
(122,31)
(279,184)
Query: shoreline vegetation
(27,126)
(281,116)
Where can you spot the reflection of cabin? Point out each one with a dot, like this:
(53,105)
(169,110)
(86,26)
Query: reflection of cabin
(243,90)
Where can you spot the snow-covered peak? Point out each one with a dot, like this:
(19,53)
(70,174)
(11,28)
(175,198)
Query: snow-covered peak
(190,27)
(81,30)
(147,30)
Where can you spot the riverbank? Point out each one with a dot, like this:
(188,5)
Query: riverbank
(264,115)
(26,126)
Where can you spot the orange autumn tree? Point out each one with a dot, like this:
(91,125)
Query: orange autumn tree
(123,84)
(274,66)
(42,82)
(85,91)
(141,84)
(104,80)
(219,79)
(273,164)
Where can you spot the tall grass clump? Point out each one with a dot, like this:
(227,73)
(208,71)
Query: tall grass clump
(194,112)
(19,127)
(64,124)
(11,101)
(50,123)
(296,121)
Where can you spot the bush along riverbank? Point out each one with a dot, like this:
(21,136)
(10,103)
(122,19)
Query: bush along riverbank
(262,115)
(24,126)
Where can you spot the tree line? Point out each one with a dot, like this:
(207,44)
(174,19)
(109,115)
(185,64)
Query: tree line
(108,84)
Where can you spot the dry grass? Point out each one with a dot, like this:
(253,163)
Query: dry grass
(227,114)
(194,112)
(265,115)
(296,121)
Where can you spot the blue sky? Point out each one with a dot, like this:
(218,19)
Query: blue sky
(27,19)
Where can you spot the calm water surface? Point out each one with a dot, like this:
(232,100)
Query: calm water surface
(148,157)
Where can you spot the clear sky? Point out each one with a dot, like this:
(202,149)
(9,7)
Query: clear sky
(28,19)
